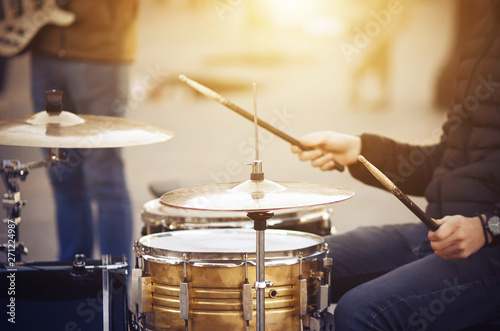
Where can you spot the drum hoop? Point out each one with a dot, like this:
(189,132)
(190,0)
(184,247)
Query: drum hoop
(169,256)
(297,215)
(180,224)
(200,226)
(224,263)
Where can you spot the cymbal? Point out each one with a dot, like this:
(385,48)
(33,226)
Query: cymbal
(254,196)
(68,130)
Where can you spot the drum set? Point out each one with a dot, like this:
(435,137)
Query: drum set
(235,256)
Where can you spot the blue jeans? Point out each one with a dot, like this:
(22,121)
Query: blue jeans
(387,278)
(90,175)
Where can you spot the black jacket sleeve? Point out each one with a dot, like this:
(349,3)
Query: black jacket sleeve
(410,167)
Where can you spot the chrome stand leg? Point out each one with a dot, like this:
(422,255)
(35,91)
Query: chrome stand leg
(260,224)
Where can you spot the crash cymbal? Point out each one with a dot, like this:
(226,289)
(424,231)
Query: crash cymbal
(254,196)
(68,130)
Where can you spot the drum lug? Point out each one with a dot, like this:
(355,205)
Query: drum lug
(303,296)
(145,294)
(303,289)
(247,302)
(184,300)
(324,299)
(247,296)
(184,292)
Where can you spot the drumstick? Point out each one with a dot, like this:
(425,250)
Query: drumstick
(217,97)
(384,180)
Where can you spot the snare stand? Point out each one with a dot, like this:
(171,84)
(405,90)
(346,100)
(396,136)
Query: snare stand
(260,225)
(11,171)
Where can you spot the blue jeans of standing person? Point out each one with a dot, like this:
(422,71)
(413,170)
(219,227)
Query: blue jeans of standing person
(388,278)
(90,177)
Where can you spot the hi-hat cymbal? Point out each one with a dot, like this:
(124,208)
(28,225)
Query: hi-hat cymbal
(68,130)
(254,196)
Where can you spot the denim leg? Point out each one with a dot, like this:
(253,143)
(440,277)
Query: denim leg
(47,75)
(106,185)
(73,208)
(368,252)
(425,293)
(103,168)
(97,174)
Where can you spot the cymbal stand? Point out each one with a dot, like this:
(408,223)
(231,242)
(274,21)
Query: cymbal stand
(260,224)
(12,171)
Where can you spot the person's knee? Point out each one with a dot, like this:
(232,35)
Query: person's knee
(352,311)
(362,308)
(366,307)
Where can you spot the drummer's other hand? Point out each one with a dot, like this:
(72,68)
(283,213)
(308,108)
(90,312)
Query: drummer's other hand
(329,147)
(458,237)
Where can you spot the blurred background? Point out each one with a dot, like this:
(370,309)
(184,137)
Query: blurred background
(349,65)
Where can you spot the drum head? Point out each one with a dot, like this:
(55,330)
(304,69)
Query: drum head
(228,244)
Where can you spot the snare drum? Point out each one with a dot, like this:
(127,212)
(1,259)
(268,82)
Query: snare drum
(159,218)
(202,277)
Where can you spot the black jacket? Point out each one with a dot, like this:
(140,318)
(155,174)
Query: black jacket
(461,174)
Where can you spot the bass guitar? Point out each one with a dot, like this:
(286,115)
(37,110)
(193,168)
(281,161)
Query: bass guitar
(20,21)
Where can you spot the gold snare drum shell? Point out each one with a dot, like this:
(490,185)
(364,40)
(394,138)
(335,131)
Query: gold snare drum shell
(213,262)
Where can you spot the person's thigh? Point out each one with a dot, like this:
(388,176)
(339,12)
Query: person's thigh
(427,294)
(100,89)
(48,74)
(368,252)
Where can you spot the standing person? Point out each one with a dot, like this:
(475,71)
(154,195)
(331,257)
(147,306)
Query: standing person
(404,277)
(89,61)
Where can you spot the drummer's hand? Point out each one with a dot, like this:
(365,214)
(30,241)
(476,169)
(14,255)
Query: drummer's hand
(458,237)
(329,147)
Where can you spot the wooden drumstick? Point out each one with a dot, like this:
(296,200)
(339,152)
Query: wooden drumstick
(217,97)
(384,180)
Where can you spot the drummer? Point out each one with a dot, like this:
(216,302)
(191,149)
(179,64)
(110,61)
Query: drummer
(404,277)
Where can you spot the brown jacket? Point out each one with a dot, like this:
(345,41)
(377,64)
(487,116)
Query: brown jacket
(103,31)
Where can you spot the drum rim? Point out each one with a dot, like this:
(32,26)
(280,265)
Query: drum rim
(280,216)
(169,256)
